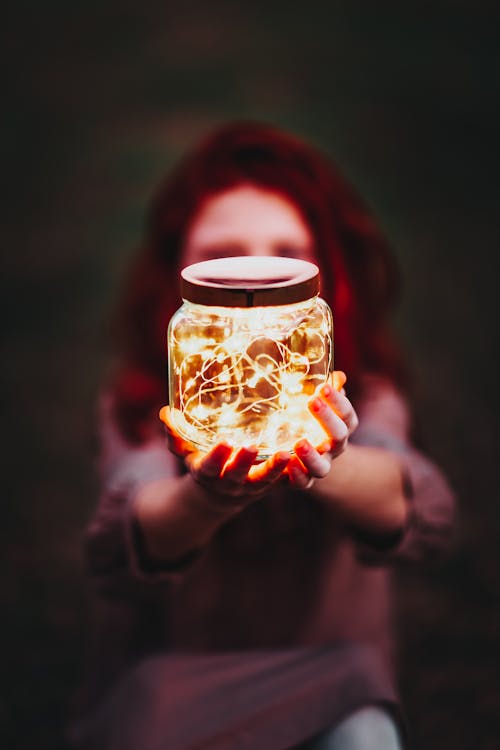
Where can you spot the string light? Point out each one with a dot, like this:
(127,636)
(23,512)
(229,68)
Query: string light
(246,375)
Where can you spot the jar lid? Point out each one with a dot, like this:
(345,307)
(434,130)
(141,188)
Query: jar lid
(249,281)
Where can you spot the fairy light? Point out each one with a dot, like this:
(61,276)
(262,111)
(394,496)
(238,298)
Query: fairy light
(246,375)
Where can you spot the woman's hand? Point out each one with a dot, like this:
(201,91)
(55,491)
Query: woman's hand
(231,477)
(335,413)
(234,477)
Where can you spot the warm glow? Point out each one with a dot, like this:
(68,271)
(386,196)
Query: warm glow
(246,375)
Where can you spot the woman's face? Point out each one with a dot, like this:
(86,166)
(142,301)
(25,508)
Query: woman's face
(247,220)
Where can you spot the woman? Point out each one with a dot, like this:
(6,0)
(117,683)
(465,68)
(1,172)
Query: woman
(247,605)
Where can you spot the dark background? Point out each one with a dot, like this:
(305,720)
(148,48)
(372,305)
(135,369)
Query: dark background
(100,99)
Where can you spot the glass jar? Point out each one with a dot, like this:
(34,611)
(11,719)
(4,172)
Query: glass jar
(248,349)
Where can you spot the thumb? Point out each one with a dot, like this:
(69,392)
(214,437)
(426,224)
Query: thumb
(339,379)
(177,443)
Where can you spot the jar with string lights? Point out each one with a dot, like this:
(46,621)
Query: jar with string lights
(247,350)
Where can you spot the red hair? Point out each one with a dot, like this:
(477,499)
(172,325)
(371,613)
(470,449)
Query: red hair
(360,279)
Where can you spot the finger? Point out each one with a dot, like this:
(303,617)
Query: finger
(339,379)
(177,444)
(333,425)
(166,417)
(237,468)
(299,479)
(269,471)
(324,447)
(210,465)
(341,406)
(315,464)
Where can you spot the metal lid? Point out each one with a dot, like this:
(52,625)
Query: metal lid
(249,281)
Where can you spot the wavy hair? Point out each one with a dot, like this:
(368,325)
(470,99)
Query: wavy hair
(359,275)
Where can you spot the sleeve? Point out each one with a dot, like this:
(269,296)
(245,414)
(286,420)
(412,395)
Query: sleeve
(114,556)
(384,422)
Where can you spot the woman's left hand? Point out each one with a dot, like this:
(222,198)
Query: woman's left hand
(335,413)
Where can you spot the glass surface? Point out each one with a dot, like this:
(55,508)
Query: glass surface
(246,375)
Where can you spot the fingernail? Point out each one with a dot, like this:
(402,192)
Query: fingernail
(303,446)
(327,389)
(317,404)
(222,449)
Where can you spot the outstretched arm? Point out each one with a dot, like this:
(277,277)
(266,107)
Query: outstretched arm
(151,519)
(365,490)
(363,486)
(377,484)
(180,515)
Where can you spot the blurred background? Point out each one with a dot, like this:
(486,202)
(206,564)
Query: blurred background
(102,98)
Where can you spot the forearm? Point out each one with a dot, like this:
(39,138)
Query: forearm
(175,517)
(365,489)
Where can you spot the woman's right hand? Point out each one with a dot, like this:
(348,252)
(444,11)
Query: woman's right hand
(232,477)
